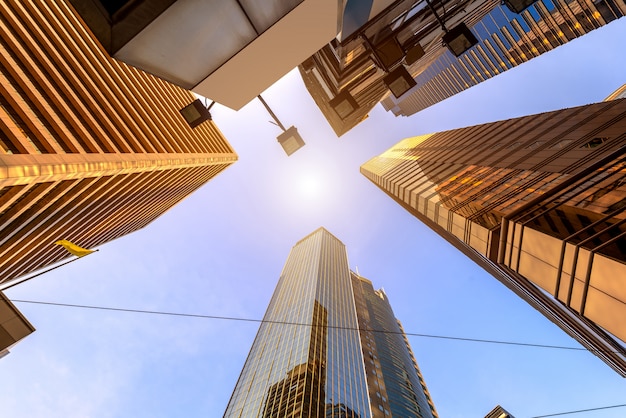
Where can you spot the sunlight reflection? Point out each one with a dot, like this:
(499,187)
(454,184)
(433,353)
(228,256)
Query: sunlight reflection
(309,186)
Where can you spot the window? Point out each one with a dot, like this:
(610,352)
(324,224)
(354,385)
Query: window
(535,145)
(595,142)
(562,144)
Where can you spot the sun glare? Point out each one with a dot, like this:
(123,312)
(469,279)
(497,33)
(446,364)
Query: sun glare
(309,186)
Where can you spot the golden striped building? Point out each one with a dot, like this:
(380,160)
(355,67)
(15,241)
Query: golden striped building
(539,202)
(90,148)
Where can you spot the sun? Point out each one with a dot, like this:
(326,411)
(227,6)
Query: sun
(309,186)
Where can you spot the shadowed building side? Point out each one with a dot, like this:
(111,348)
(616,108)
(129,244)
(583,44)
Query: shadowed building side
(537,201)
(13,325)
(395,383)
(228,50)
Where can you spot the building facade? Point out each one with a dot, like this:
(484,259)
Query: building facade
(355,71)
(329,346)
(13,325)
(505,40)
(229,50)
(537,201)
(397,57)
(90,149)
(499,412)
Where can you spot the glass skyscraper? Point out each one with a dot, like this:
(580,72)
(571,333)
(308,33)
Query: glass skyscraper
(397,57)
(505,40)
(329,346)
(539,202)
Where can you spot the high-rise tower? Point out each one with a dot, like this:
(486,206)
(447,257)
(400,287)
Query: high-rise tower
(329,346)
(505,40)
(539,202)
(397,57)
(90,149)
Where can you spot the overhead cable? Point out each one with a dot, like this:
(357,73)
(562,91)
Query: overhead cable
(267,321)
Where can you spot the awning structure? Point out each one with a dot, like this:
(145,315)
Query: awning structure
(228,51)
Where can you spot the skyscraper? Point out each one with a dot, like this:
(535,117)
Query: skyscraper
(538,202)
(397,57)
(228,50)
(499,412)
(90,149)
(329,346)
(505,40)
(374,56)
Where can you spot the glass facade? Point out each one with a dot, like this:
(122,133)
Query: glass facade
(505,40)
(396,386)
(539,201)
(307,359)
(351,74)
(306,345)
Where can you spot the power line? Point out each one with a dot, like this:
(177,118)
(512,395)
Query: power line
(580,410)
(262,321)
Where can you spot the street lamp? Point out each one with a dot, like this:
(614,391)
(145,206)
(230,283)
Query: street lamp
(458,39)
(344,104)
(399,81)
(517,6)
(290,139)
(196,112)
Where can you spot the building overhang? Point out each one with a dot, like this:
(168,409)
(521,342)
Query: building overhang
(13,325)
(229,51)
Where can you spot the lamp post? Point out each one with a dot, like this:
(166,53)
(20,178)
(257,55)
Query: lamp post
(517,6)
(290,139)
(458,39)
(196,112)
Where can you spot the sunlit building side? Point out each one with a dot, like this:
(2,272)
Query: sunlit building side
(499,412)
(228,50)
(506,40)
(538,202)
(90,148)
(309,358)
(620,93)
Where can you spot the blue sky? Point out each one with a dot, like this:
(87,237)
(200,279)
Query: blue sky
(220,252)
